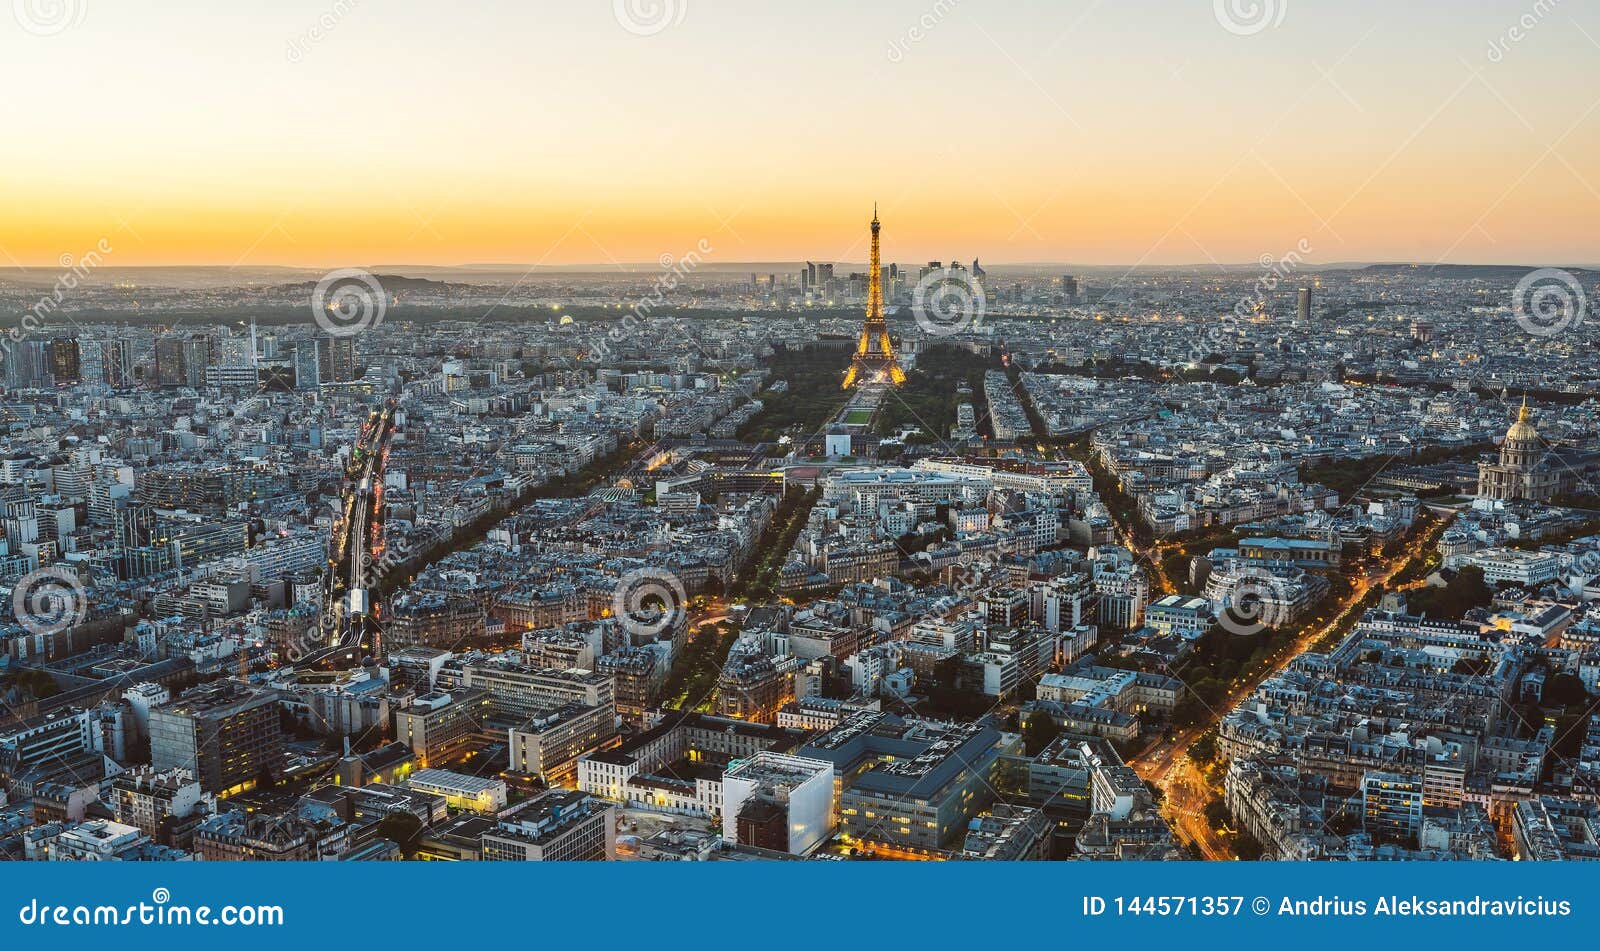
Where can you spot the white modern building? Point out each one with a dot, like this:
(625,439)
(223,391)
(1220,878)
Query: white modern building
(770,790)
(1181,615)
(1516,566)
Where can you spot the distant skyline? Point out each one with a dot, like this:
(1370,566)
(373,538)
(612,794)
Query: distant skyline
(323,133)
(500,274)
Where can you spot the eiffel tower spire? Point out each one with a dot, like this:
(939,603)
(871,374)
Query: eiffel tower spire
(875,360)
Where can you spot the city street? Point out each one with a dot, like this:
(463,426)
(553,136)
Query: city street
(1167,765)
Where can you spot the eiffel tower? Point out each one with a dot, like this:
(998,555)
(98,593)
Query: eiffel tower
(874,361)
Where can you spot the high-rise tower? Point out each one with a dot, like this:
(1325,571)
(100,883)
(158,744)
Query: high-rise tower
(874,360)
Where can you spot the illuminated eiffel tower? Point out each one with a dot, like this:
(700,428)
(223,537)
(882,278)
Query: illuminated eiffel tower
(874,361)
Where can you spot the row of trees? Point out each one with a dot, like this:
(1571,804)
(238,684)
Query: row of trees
(928,400)
(814,375)
(1349,476)
(695,676)
(758,579)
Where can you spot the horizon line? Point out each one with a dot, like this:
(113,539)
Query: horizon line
(628,266)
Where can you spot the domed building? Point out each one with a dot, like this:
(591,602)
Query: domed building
(1522,471)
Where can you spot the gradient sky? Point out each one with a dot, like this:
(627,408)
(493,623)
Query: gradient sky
(1118,132)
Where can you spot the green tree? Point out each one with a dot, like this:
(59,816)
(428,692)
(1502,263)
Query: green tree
(1563,689)
(1467,590)
(403,829)
(1039,732)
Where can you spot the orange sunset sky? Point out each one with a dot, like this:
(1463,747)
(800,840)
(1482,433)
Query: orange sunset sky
(319,133)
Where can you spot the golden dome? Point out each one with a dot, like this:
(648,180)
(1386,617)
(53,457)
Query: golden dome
(1522,429)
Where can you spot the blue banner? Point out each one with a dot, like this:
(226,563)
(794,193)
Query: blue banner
(698,905)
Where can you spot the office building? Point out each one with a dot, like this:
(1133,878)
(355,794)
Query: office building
(778,802)
(561,825)
(911,783)
(226,735)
